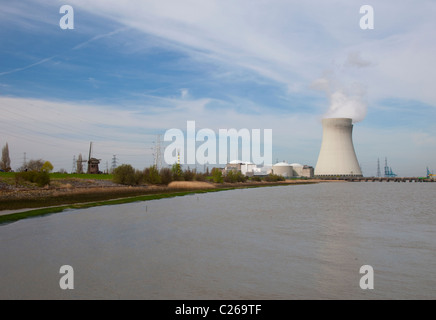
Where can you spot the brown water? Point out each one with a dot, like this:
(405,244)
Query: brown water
(288,242)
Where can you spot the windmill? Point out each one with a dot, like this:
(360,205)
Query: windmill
(92,162)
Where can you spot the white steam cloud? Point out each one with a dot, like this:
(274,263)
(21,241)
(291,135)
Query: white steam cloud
(346,105)
(344,101)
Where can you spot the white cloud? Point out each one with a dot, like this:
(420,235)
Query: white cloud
(424,139)
(57,131)
(288,44)
(292,42)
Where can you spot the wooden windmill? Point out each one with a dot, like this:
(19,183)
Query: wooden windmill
(92,162)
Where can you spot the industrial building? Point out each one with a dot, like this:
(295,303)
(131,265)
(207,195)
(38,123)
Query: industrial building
(282,168)
(337,156)
(300,170)
(246,168)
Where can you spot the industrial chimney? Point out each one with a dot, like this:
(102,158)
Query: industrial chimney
(337,156)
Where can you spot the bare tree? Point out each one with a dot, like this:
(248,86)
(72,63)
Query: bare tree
(32,165)
(35,165)
(5,163)
(79,164)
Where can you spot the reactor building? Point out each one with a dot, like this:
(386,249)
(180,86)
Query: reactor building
(337,156)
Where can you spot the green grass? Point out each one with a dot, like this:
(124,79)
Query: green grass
(80,176)
(7,174)
(57,175)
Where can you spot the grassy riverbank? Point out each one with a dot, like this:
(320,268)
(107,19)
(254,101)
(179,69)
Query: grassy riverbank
(77,202)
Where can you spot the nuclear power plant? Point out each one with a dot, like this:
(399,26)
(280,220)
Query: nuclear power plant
(337,156)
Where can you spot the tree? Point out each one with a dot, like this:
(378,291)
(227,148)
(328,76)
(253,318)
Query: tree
(177,172)
(125,174)
(47,167)
(234,176)
(79,164)
(5,163)
(188,175)
(35,165)
(217,175)
(151,175)
(166,175)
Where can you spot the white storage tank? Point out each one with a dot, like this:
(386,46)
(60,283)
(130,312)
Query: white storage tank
(283,169)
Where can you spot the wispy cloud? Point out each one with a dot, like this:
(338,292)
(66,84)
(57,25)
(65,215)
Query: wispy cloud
(27,67)
(98,37)
(291,43)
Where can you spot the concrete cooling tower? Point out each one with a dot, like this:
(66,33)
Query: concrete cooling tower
(337,156)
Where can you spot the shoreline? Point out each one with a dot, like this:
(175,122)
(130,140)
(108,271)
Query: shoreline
(106,196)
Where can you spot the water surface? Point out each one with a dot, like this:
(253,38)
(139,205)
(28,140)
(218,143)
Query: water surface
(287,242)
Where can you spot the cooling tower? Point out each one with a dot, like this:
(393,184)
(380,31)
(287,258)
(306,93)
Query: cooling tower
(337,156)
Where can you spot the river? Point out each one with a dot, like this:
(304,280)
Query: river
(286,242)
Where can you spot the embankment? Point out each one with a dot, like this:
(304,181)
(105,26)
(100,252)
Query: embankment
(25,202)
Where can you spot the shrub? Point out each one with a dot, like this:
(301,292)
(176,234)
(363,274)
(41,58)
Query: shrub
(165,175)
(217,175)
(274,178)
(200,177)
(230,176)
(125,174)
(177,172)
(151,175)
(188,175)
(41,178)
(234,176)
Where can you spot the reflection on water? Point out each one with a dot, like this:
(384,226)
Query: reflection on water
(293,242)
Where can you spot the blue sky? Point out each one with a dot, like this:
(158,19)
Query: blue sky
(133,69)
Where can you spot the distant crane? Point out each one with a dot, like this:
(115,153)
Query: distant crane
(388,170)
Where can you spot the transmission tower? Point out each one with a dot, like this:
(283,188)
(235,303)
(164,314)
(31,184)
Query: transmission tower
(73,170)
(378,168)
(114,162)
(157,153)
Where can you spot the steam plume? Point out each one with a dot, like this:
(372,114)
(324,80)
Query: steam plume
(345,101)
